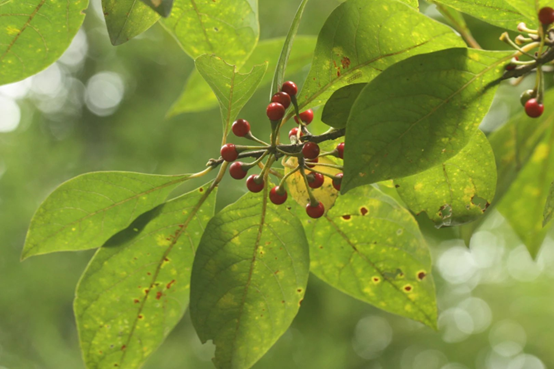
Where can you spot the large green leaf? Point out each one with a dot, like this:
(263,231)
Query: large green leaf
(419,113)
(126,19)
(370,247)
(87,210)
(35,33)
(136,287)
(497,12)
(337,109)
(524,203)
(361,38)
(513,144)
(228,29)
(162,7)
(456,192)
(279,75)
(248,279)
(233,89)
(198,96)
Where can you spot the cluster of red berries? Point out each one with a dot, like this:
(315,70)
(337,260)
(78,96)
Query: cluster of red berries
(531,99)
(308,155)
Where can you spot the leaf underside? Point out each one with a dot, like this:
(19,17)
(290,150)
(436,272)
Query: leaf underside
(249,277)
(136,288)
(456,192)
(371,248)
(87,210)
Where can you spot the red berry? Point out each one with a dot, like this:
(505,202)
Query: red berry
(315,211)
(275,111)
(282,98)
(533,108)
(252,185)
(241,127)
(290,88)
(317,181)
(237,171)
(310,150)
(276,197)
(311,163)
(229,152)
(512,66)
(546,15)
(294,132)
(337,181)
(340,149)
(306,117)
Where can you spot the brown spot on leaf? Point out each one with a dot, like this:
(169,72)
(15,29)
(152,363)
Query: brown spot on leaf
(421,275)
(346,217)
(345,62)
(300,302)
(407,288)
(376,279)
(159,295)
(136,301)
(363,210)
(141,316)
(170,284)
(123,348)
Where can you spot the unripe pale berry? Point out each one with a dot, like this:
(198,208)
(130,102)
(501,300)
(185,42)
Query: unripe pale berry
(340,149)
(252,185)
(533,108)
(310,150)
(337,181)
(546,15)
(282,98)
(229,152)
(278,195)
(275,111)
(317,181)
(526,96)
(290,88)
(241,127)
(315,211)
(306,117)
(237,171)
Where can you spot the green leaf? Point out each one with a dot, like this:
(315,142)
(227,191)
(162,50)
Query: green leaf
(228,29)
(87,210)
(337,109)
(136,288)
(233,89)
(361,38)
(127,19)
(279,75)
(549,206)
(162,7)
(513,144)
(523,204)
(248,279)
(497,12)
(198,96)
(456,19)
(456,192)
(35,33)
(371,248)
(419,113)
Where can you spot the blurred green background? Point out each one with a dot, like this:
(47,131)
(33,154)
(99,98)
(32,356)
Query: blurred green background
(102,108)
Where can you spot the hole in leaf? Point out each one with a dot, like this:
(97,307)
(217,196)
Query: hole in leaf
(481,202)
(445,211)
